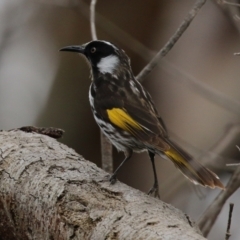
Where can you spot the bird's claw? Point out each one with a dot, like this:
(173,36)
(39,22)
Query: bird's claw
(154,191)
(113,179)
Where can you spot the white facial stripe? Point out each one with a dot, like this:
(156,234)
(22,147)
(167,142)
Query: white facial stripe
(108,64)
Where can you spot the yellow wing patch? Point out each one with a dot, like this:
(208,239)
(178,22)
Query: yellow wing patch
(122,119)
(178,159)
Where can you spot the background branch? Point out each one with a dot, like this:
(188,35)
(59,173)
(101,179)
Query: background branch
(106,146)
(107,154)
(228,234)
(92,19)
(168,46)
(209,217)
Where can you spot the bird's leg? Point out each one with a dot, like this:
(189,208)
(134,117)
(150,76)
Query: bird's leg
(154,190)
(128,155)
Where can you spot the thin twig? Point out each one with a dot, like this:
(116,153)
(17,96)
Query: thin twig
(107,154)
(230,3)
(209,217)
(168,46)
(213,156)
(231,12)
(106,146)
(233,164)
(228,234)
(92,19)
(116,32)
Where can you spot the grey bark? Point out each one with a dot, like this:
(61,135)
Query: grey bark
(48,191)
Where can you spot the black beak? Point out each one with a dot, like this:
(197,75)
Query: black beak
(76,48)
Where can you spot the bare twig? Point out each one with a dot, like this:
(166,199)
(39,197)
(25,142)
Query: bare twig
(107,154)
(168,46)
(106,146)
(230,3)
(209,217)
(234,164)
(92,19)
(116,32)
(228,235)
(213,156)
(231,12)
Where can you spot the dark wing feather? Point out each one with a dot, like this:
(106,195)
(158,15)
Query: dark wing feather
(139,106)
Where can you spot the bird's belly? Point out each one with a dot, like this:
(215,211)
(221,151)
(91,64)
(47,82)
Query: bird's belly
(122,140)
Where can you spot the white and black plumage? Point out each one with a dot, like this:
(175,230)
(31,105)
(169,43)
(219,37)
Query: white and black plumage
(126,114)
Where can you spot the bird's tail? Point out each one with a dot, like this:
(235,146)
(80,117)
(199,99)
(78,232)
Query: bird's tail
(192,169)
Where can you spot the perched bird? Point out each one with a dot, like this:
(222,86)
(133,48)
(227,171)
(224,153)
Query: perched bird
(126,114)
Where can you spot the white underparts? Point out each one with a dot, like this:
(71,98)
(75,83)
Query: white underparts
(108,64)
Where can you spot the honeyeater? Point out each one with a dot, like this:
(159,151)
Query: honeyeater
(126,114)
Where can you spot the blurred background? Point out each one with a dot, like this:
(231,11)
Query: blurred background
(195,87)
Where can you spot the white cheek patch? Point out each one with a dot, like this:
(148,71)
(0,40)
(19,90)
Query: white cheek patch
(108,64)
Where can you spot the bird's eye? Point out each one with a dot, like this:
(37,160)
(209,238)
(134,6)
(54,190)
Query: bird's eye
(93,50)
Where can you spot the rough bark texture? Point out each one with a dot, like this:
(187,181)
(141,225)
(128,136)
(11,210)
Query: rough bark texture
(48,191)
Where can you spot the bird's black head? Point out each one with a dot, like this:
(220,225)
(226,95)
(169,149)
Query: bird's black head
(102,55)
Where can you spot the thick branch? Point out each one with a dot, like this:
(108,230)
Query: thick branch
(48,191)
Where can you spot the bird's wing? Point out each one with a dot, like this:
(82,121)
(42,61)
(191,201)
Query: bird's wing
(133,113)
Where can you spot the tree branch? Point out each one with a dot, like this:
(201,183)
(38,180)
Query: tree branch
(228,234)
(107,154)
(168,46)
(48,191)
(230,3)
(207,220)
(92,19)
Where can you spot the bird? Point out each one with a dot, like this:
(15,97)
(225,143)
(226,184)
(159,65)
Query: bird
(127,115)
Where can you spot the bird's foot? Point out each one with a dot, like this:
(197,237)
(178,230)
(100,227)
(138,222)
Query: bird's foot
(154,191)
(113,179)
